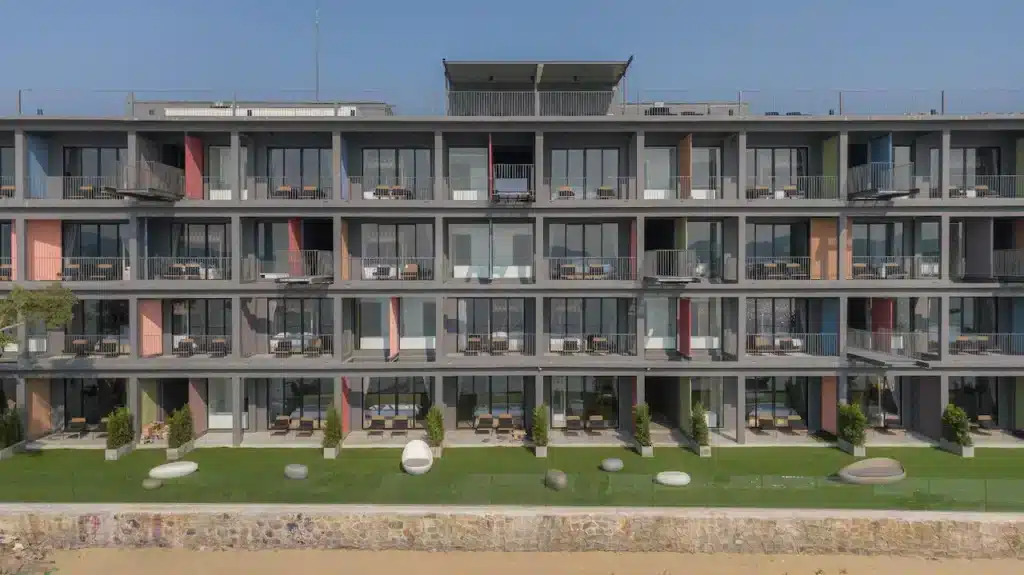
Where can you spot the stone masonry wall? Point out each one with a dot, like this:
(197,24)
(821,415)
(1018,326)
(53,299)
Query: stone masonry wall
(953,535)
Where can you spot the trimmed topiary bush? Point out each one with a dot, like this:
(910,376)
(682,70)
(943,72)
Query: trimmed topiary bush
(956,428)
(332,429)
(853,424)
(642,425)
(699,425)
(539,432)
(435,426)
(119,428)
(180,428)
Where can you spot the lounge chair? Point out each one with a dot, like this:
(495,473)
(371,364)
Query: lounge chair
(596,424)
(399,426)
(485,424)
(506,424)
(76,427)
(377,426)
(282,424)
(573,424)
(306,426)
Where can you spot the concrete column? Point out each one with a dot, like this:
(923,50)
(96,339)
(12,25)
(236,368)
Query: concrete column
(440,252)
(540,327)
(440,329)
(641,226)
(641,389)
(338,390)
(237,401)
(946,179)
(841,248)
(339,255)
(439,187)
(437,390)
(540,262)
(844,160)
(943,327)
(945,253)
(337,335)
(132,148)
(543,195)
(20,164)
(741,327)
(943,395)
(21,237)
(741,169)
(134,262)
(741,246)
(741,409)
(236,249)
(844,304)
(133,326)
(639,144)
(134,403)
(337,183)
(236,326)
(842,390)
(21,401)
(235,175)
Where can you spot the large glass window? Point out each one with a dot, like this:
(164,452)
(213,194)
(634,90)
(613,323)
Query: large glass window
(91,399)
(92,317)
(705,323)
(710,392)
(492,250)
(300,167)
(585,170)
(978,396)
(578,316)
(392,251)
(94,240)
(777,315)
(483,320)
(92,162)
(468,173)
(408,397)
(586,396)
(299,323)
(777,167)
(777,403)
(201,317)
(968,167)
(299,398)
(6,170)
(877,240)
(271,238)
(768,241)
(396,167)
(591,240)
(218,165)
(706,168)
(879,398)
(495,396)
(660,169)
(5,248)
(194,240)
(976,315)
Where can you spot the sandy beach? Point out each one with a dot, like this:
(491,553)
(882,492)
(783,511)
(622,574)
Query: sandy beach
(176,561)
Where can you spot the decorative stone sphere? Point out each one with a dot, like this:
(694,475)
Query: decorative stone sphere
(612,464)
(150,483)
(556,480)
(296,471)
(673,478)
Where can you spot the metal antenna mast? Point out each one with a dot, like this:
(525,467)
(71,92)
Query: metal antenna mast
(316,51)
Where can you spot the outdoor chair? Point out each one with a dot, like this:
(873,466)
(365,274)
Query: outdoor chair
(377,426)
(485,424)
(399,426)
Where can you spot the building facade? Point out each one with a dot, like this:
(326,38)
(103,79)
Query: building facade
(545,241)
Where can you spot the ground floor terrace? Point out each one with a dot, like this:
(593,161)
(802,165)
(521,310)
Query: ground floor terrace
(484,410)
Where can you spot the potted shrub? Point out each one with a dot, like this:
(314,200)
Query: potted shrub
(956,432)
(539,430)
(642,429)
(180,434)
(852,429)
(332,434)
(435,430)
(12,436)
(120,435)
(699,434)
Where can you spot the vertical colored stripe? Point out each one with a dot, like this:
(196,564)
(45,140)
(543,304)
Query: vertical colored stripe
(14,253)
(295,266)
(44,249)
(151,327)
(345,407)
(39,410)
(683,326)
(824,252)
(345,255)
(393,331)
(194,165)
(829,403)
(882,314)
(197,404)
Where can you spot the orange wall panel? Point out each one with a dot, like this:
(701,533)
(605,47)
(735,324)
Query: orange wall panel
(44,249)
(829,401)
(151,328)
(824,248)
(39,420)
(197,404)
(1018,232)
(345,409)
(393,332)
(345,255)
(848,251)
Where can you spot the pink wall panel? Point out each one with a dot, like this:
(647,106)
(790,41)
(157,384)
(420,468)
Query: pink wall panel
(1018,233)
(194,162)
(683,326)
(39,421)
(14,254)
(345,255)
(294,245)
(197,404)
(828,403)
(882,313)
(44,249)
(393,332)
(345,409)
(151,328)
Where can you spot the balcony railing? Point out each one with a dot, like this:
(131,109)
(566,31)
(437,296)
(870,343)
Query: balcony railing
(592,343)
(685,187)
(592,268)
(967,185)
(497,269)
(781,268)
(468,189)
(191,345)
(72,269)
(7,186)
(910,345)
(91,187)
(882,177)
(987,344)
(512,183)
(218,188)
(525,103)
(1007,263)
(304,344)
(498,343)
(682,264)
(396,269)
(96,345)
(289,264)
(793,188)
(154,176)
(793,344)
(292,188)
(187,268)
(392,188)
(895,267)
(6,269)
(589,188)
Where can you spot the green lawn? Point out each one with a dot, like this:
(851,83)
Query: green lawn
(752,477)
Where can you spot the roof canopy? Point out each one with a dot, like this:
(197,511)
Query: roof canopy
(541,73)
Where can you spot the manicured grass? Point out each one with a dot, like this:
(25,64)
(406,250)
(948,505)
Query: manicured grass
(750,477)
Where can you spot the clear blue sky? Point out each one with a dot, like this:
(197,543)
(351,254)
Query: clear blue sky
(392,49)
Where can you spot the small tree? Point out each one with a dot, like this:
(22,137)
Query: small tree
(642,425)
(119,428)
(699,425)
(332,430)
(180,428)
(852,424)
(435,426)
(539,430)
(956,428)
(52,305)
(10,428)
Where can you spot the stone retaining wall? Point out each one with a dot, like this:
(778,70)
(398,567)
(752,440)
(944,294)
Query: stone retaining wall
(954,535)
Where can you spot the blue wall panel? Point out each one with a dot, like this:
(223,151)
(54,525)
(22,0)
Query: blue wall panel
(830,324)
(880,149)
(38,157)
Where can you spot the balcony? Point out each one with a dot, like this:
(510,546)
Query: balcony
(394,269)
(883,181)
(186,268)
(685,187)
(291,266)
(392,188)
(1007,264)
(971,186)
(306,344)
(219,189)
(895,267)
(681,265)
(593,344)
(512,184)
(92,187)
(793,344)
(7,186)
(886,346)
(6,269)
(197,345)
(592,268)
(793,188)
(987,344)
(779,268)
(529,103)
(92,345)
(563,189)
(144,180)
(288,188)
(495,344)
(75,269)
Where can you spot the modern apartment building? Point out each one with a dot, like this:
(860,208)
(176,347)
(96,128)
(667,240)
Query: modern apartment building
(544,241)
